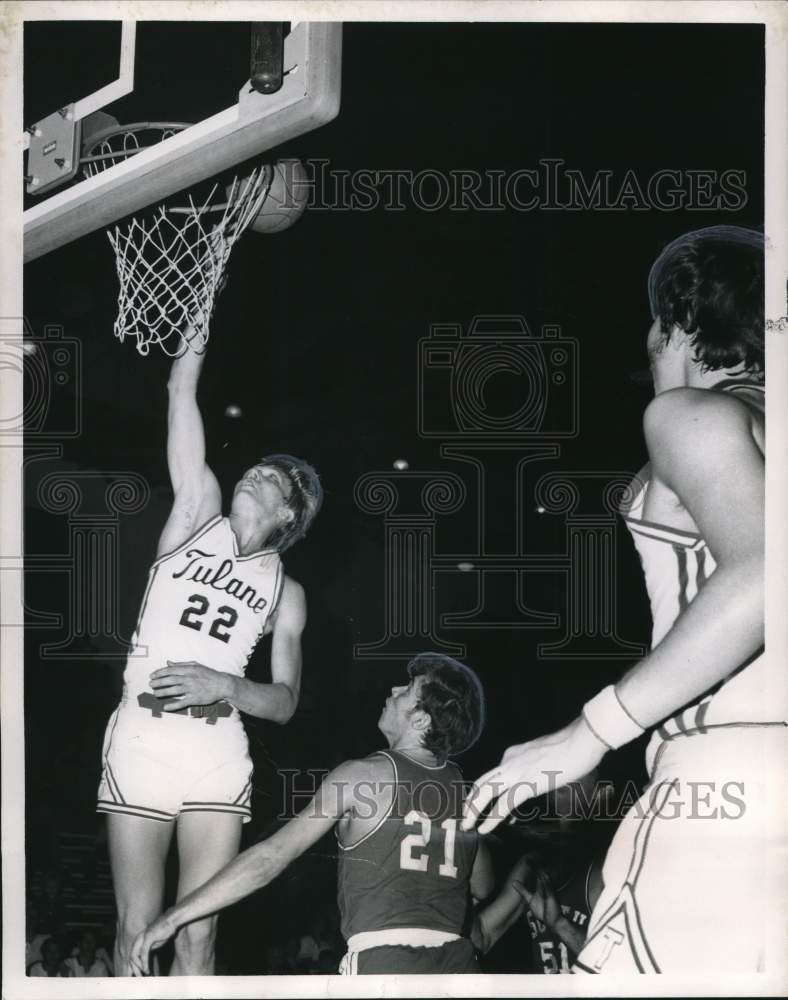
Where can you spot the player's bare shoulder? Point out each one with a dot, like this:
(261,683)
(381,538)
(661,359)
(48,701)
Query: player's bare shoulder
(697,418)
(366,788)
(695,437)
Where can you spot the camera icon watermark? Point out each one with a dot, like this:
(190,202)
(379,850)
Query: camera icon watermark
(497,379)
(51,368)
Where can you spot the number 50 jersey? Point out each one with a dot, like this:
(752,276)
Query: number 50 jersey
(203,602)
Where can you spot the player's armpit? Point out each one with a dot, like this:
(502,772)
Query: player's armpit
(190,511)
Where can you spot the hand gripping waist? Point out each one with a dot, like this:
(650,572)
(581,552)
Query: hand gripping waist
(211,713)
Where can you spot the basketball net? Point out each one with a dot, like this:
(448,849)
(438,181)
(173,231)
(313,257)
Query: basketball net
(171,265)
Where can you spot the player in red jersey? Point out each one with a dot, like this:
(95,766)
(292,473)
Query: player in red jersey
(557,881)
(688,872)
(407,874)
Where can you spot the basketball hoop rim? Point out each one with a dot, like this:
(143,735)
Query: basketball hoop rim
(111,131)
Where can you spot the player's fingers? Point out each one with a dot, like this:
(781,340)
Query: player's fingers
(135,959)
(479,797)
(174,670)
(169,690)
(521,890)
(508,797)
(493,818)
(164,675)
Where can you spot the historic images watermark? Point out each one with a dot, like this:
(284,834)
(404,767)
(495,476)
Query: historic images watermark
(486,445)
(549,184)
(91,503)
(560,804)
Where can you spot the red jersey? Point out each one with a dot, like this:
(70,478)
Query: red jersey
(413,869)
(550,954)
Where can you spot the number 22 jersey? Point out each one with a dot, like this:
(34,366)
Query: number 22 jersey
(204,602)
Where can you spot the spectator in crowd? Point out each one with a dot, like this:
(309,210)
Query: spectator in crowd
(315,940)
(84,960)
(105,937)
(34,936)
(50,903)
(52,963)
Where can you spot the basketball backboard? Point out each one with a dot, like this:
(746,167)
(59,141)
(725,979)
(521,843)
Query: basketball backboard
(197,73)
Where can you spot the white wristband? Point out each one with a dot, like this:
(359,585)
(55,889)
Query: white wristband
(609,721)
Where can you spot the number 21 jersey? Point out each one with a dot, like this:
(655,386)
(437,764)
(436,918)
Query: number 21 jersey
(413,869)
(203,602)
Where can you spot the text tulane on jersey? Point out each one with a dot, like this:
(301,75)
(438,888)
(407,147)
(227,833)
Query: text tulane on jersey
(216,577)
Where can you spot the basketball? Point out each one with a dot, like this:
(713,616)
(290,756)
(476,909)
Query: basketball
(286,199)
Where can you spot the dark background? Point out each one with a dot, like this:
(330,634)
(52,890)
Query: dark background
(316,338)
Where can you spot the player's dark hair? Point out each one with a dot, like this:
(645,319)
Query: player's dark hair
(710,284)
(306,499)
(453,697)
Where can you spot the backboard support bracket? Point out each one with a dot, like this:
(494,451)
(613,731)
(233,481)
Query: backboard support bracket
(308,98)
(53,153)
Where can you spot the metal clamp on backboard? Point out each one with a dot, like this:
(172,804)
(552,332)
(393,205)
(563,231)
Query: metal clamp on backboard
(53,153)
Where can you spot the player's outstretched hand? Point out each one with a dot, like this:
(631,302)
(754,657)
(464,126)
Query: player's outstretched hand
(542,902)
(188,683)
(530,769)
(153,937)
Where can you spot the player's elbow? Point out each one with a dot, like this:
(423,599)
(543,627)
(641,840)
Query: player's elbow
(744,575)
(480,937)
(286,705)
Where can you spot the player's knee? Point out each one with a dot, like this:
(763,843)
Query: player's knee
(196,939)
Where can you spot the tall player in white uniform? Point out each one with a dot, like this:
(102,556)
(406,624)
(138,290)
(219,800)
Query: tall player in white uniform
(685,877)
(175,752)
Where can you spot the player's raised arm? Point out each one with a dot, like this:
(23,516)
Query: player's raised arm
(197,495)
(260,864)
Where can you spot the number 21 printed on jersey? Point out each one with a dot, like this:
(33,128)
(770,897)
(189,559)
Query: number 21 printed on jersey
(413,853)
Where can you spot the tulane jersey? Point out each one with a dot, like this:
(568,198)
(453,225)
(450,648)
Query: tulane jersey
(204,602)
(413,869)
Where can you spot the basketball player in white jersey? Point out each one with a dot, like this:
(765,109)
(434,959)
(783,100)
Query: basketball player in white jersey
(175,753)
(684,879)
(407,876)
